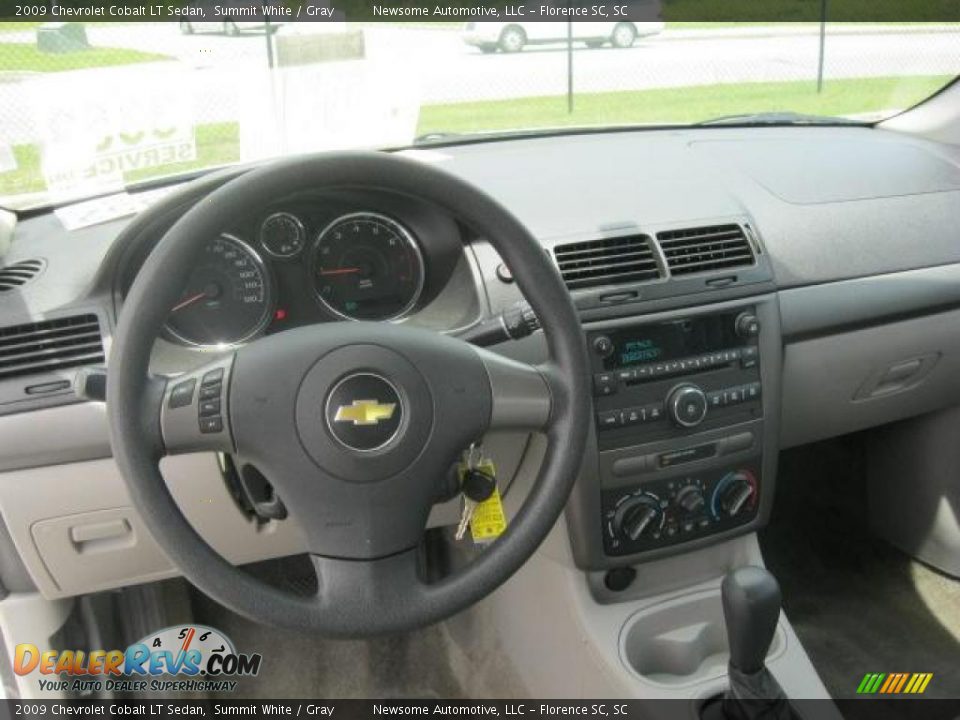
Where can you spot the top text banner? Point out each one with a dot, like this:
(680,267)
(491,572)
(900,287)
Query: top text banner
(289,11)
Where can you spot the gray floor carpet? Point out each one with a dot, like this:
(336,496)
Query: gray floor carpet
(299,665)
(857,604)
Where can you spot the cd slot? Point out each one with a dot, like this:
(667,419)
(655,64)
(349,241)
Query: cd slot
(747,356)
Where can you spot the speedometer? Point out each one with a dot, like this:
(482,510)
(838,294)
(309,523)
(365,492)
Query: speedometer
(226,299)
(366,266)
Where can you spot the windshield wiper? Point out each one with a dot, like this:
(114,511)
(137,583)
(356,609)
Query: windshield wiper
(780,118)
(443,136)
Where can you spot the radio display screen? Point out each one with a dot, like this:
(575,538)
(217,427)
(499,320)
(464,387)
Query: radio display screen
(671,340)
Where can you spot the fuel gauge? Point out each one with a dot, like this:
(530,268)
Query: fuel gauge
(282,235)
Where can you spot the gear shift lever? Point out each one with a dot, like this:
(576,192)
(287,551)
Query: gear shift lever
(751,608)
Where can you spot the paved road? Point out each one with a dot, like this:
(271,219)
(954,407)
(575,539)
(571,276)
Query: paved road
(218,72)
(450,71)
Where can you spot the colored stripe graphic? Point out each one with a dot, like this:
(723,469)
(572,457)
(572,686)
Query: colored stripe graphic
(903,680)
(894,683)
(870,683)
(891,680)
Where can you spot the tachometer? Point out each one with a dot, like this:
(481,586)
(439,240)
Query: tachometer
(367,266)
(226,299)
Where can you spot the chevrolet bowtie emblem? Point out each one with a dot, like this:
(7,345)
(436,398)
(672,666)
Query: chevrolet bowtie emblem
(365,412)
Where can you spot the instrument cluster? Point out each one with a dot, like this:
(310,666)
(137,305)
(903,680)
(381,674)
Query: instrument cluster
(296,265)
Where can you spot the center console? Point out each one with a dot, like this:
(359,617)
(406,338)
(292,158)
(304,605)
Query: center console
(684,411)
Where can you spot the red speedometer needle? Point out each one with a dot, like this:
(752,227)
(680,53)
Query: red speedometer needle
(340,271)
(189,301)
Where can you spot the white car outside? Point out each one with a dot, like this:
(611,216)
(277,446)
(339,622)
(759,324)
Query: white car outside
(514,36)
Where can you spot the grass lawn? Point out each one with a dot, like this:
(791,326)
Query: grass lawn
(682,105)
(13,26)
(25,57)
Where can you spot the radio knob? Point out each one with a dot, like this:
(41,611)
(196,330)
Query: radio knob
(687,405)
(637,516)
(691,499)
(747,325)
(603,346)
(736,495)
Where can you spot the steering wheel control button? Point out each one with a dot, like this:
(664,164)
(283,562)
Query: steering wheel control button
(213,377)
(209,407)
(211,424)
(209,392)
(182,393)
(195,416)
(364,412)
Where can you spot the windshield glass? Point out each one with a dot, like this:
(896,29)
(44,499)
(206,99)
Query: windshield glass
(89,108)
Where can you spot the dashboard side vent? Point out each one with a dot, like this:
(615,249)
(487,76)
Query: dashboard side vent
(608,261)
(19,274)
(50,345)
(702,249)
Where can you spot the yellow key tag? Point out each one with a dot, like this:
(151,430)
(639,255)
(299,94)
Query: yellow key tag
(488,521)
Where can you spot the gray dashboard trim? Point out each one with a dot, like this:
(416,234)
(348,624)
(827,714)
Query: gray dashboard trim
(53,436)
(849,304)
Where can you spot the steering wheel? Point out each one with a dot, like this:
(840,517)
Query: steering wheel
(359,477)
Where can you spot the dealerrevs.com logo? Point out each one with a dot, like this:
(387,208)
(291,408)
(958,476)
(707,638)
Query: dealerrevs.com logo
(185,658)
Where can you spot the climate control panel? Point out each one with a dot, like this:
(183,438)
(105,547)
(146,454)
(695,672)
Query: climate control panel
(659,513)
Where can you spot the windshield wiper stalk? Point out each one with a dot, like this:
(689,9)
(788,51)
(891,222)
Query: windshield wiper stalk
(780,118)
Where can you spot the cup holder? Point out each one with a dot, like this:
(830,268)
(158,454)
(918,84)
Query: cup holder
(681,641)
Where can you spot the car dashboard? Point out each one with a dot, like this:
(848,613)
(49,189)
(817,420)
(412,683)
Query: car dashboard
(741,290)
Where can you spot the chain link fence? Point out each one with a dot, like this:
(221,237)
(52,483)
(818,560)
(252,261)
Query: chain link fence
(101,105)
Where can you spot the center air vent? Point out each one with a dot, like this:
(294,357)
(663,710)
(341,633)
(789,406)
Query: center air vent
(50,345)
(18,274)
(610,261)
(693,250)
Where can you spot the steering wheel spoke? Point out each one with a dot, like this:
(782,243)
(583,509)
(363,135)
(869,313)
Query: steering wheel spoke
(375,589)
(522,394)
(194,415)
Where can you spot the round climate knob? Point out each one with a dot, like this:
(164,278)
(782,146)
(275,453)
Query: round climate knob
(687,405)
(691,499)
(637,516)
(735,494)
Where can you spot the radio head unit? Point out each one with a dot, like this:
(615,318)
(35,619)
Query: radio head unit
(661,380)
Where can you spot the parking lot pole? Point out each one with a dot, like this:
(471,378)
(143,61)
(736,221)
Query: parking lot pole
(823,43)
(269,35)
(570,67)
